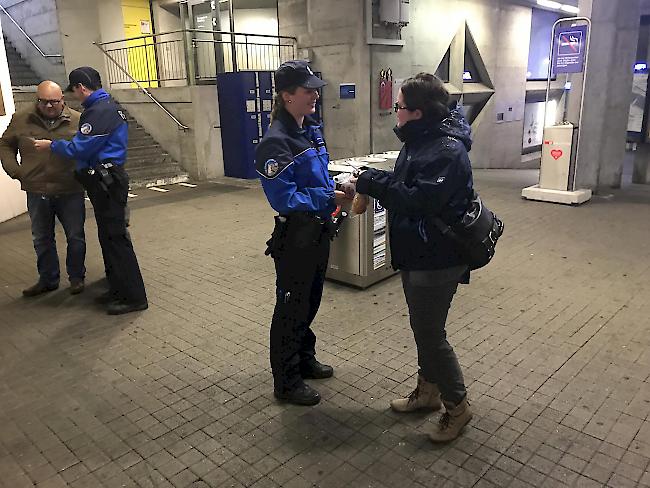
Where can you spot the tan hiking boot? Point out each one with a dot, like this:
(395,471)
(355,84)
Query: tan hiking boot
(452,422)
(425,395)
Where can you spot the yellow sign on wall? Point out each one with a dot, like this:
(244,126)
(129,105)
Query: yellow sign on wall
(141,52)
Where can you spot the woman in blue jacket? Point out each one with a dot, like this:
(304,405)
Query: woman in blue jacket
(432,177)
(292,163)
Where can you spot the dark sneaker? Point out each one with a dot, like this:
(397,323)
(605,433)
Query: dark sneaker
(301,395)
(38,289)
(118,308)
(76,287)
(316,371)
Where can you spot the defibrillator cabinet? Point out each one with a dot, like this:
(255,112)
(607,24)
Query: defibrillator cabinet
(557,171)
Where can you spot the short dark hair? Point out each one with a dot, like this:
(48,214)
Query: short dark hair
(427,93)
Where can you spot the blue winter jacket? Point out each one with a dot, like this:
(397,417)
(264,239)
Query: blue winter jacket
(292,164)
(102,137)
(432,177)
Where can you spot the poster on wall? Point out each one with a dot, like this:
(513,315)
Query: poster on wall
(533,125)
(637,105)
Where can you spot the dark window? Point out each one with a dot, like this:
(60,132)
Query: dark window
(540,40)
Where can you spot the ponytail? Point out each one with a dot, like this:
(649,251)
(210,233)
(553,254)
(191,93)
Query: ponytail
(279,103)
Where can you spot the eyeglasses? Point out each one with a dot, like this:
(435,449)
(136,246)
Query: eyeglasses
(398,107)
(45,103)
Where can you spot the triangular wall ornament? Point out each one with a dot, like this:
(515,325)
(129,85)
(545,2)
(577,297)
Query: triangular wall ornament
(474,59)
(463,55)
(443,68)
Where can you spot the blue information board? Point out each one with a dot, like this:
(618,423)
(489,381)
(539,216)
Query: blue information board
(569,49)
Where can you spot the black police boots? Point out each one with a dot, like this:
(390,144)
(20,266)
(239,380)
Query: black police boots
(119,308)
(303,394)
(316,371)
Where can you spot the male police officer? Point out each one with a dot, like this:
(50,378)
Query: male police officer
(99,149)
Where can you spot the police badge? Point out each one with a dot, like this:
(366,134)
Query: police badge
(271,168)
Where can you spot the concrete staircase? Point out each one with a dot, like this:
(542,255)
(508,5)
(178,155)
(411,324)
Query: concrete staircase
(20,71)
(148,164)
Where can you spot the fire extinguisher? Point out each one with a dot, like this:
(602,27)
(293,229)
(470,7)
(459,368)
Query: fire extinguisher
(386,89)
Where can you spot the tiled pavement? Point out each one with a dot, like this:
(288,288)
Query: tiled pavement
(553,338)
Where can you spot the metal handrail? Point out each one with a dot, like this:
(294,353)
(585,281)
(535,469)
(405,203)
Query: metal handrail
(200,31)
(181,126)
(31,41)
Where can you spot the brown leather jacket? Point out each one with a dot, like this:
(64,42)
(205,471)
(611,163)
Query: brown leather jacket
(39,172)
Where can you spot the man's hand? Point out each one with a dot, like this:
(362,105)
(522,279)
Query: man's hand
(42,145)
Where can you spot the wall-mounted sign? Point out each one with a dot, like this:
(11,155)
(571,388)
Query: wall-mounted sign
(347,90)
(569,49)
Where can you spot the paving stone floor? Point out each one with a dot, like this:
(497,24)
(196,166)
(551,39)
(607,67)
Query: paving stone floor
(553,337)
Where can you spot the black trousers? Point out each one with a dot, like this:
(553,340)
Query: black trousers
(299,287)
(428,305)
(120,262)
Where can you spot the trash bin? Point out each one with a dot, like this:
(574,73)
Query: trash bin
(360,254)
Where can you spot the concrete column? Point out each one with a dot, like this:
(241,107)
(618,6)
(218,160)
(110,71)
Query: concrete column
(335,33)
(614,38)
(80,27)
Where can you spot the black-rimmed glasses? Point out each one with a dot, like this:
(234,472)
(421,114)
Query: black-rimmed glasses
(399,107)
(44,102)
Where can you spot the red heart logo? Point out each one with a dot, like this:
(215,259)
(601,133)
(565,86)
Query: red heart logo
(556,154)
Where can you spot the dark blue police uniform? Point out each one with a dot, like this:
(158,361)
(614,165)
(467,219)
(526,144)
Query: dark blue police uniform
(99,149)
(292,164)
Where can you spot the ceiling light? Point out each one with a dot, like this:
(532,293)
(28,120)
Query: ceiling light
(549,4)
(570,8)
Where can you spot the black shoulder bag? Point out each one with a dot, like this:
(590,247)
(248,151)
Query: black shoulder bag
(476,233)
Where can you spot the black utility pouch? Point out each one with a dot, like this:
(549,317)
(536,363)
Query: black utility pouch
(278,237)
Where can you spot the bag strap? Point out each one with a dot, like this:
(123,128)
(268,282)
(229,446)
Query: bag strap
(442,226)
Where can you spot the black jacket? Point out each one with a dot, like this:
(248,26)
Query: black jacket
(432,177)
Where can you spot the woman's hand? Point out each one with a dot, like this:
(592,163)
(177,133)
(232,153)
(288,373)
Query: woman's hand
(341,198)
(348,188)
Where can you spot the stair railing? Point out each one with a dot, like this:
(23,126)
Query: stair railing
(180,125)
(29,39)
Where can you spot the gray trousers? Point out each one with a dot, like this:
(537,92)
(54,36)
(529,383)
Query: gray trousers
(429,295)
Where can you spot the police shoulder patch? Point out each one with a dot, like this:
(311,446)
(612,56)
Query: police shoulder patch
(271,168)
(86,129)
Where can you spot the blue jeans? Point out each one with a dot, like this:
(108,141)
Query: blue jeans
(70,209)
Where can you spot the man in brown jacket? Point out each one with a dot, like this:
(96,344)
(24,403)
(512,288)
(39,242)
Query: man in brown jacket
(52,190)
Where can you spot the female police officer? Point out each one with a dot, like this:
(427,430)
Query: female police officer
(292,162)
